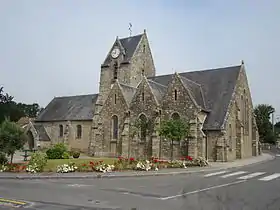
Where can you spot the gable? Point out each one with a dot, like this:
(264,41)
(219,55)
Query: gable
(150,100)
(66,108)
(128,44)
(217,86)
(115,101)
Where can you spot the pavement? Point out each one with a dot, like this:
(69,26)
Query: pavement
(250,187)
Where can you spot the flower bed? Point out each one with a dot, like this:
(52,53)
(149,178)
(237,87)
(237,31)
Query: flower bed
(38,163)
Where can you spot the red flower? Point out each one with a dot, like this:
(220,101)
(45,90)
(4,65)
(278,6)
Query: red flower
(131,159)
(182,158)
(189,158)
(155,160)
(91,163)
(84,164)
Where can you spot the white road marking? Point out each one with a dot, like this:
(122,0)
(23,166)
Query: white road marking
(202,190)
(278,155)
(216,173)
(249,176)
(268,178)
(234,174)
(79,185)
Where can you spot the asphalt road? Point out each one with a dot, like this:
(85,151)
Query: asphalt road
(255,187)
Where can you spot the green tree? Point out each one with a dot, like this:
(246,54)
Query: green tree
(12,138)
(262,113)
(174,130)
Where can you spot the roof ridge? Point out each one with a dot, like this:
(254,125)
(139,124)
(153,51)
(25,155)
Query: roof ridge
(149,80)
(127,85)
(190,80)
(69,96)
(131,36)
(202,70)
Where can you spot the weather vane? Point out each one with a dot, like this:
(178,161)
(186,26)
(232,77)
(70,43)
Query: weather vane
(129,28)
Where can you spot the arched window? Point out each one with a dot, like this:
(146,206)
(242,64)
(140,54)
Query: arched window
(115,98)
(175,95)
(60,130)
(115,127)
(175,116)
(143,96)
(143,127)
(79,131)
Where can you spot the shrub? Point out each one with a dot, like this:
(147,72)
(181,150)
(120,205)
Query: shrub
(37,162)
(65,155)
(3,159)
(76,154)
(57,151)
(60,146)
(54,153)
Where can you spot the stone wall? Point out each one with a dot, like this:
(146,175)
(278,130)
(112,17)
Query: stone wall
(106,145)
(144,102)
(185,107)
(70,137)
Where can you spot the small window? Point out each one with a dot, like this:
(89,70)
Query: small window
(143,96)
(175,95)
(143,71)
(230,135)
(116,70)
(60,130)
(79,131)
(144,48)
(115,98)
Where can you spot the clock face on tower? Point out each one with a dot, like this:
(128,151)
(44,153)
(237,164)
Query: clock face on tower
(115,53)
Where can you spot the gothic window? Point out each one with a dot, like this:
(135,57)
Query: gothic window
(115,127)
(175,95)
(143,96)
(79,131)
(143,127)
(175,116)
(60,130)
(115,98)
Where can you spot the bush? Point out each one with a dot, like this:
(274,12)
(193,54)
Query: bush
(3,159)
(76,154)
(37,162)
(65,155)
(57,151)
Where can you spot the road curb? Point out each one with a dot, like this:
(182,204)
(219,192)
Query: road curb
(143,174)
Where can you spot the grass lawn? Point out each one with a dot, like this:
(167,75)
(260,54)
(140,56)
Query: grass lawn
(52,164)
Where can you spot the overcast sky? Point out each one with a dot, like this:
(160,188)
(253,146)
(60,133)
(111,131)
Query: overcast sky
(54,48)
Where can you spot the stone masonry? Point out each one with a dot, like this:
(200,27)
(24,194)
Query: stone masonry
(216,103)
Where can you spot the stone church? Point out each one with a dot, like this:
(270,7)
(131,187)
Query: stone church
(216,103)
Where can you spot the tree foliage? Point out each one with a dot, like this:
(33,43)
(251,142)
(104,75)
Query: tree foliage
(14,111)
(262,113)
(174,130)
(12,138)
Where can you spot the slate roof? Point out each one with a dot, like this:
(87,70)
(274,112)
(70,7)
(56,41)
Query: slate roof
(66,108)
(43,135)
(196,91)
(129,44)
(158,90)
(128,92)
(217,86)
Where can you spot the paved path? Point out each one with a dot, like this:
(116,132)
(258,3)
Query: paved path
(251,187)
